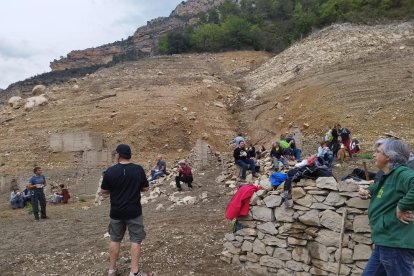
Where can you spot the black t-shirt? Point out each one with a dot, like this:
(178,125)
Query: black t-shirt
(335,135)
(124,182)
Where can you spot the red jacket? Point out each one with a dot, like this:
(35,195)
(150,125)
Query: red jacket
(185,170)
(239,204)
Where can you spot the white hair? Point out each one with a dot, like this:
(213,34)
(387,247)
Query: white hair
(396,150)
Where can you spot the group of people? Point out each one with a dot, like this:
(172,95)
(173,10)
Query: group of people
(34,194)
(185,173)
(285,150)
(391,195)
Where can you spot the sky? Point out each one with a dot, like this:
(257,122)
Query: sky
(35,32)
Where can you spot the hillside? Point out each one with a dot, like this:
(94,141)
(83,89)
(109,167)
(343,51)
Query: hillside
(360,76)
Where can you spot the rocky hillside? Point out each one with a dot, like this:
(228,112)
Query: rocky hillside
(143,43)
(360,76)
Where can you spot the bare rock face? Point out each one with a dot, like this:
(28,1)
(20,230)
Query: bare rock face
(142,43)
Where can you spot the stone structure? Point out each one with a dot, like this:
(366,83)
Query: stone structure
(81,141)
(305,238)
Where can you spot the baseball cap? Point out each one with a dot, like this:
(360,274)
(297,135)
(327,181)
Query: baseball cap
(124,151)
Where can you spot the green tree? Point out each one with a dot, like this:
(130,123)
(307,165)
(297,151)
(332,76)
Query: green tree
(207,37)
(228,8)
(213,16)
(237,33)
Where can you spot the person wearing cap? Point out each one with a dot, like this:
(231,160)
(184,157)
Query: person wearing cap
(36,184)
(184,174)
(124,183)
(159,169)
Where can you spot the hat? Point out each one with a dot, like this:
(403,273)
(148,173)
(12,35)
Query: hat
(124,151)
(181,162)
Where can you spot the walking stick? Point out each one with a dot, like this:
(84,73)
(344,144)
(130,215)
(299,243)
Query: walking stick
(366,170)
(341,241)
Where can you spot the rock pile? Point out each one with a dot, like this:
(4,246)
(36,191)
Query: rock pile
(305,238)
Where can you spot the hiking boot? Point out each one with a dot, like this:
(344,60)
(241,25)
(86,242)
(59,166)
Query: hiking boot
(112,272)
(256,175)
(190,187)
(179,189)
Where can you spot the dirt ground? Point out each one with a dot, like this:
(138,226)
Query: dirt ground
(182,240)
(186,240)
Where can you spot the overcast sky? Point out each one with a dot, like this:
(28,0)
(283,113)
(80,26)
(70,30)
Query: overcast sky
(35,32)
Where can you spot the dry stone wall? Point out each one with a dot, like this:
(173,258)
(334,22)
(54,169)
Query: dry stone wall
(305,238)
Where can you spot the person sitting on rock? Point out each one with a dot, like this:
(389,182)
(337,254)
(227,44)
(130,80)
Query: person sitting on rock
(241,159)
(27,196)
(184,174)
(159,169)
(16,199)
(291,140)
(62,196)
(324,154)
(278,158)
(286,147)
(236,141)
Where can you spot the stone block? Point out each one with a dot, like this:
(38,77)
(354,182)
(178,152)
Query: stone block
(318,251)
(327,183)
(73,142)
(331,220)
(262,213)
(356,202)
(301,254)
(273,201)
(310,218)
(99,158)
(268,228)
(361,252)
(271,262)
(361,224)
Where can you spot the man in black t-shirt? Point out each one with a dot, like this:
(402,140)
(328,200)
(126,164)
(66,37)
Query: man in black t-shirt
(124,183)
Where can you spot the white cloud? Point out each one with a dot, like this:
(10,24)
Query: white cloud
(34,33)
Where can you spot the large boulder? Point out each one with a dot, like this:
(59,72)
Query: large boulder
(35,101)
(38,90)
(16,102)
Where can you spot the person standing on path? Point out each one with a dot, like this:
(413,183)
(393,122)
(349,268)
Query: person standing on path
(36,185)
(124,183)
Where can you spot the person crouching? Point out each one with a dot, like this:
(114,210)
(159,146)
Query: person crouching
(184,174)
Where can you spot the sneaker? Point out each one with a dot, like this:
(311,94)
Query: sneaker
(179,189)
(256,175)
(112,272)
(190,187)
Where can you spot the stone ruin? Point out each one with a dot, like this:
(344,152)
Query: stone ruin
(305,238)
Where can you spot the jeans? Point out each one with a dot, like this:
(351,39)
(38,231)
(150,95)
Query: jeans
(39,197)
(283,160)
(17,202)
(297,153)
(243,164)
(155,174)
(390,261)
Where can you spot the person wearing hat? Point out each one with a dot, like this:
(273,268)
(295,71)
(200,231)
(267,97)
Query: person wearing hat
(124,183)
(185,175)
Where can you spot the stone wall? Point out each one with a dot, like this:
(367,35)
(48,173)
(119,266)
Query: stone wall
(303,239)
(79,141)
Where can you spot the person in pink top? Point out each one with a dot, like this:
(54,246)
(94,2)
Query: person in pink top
(185,175)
